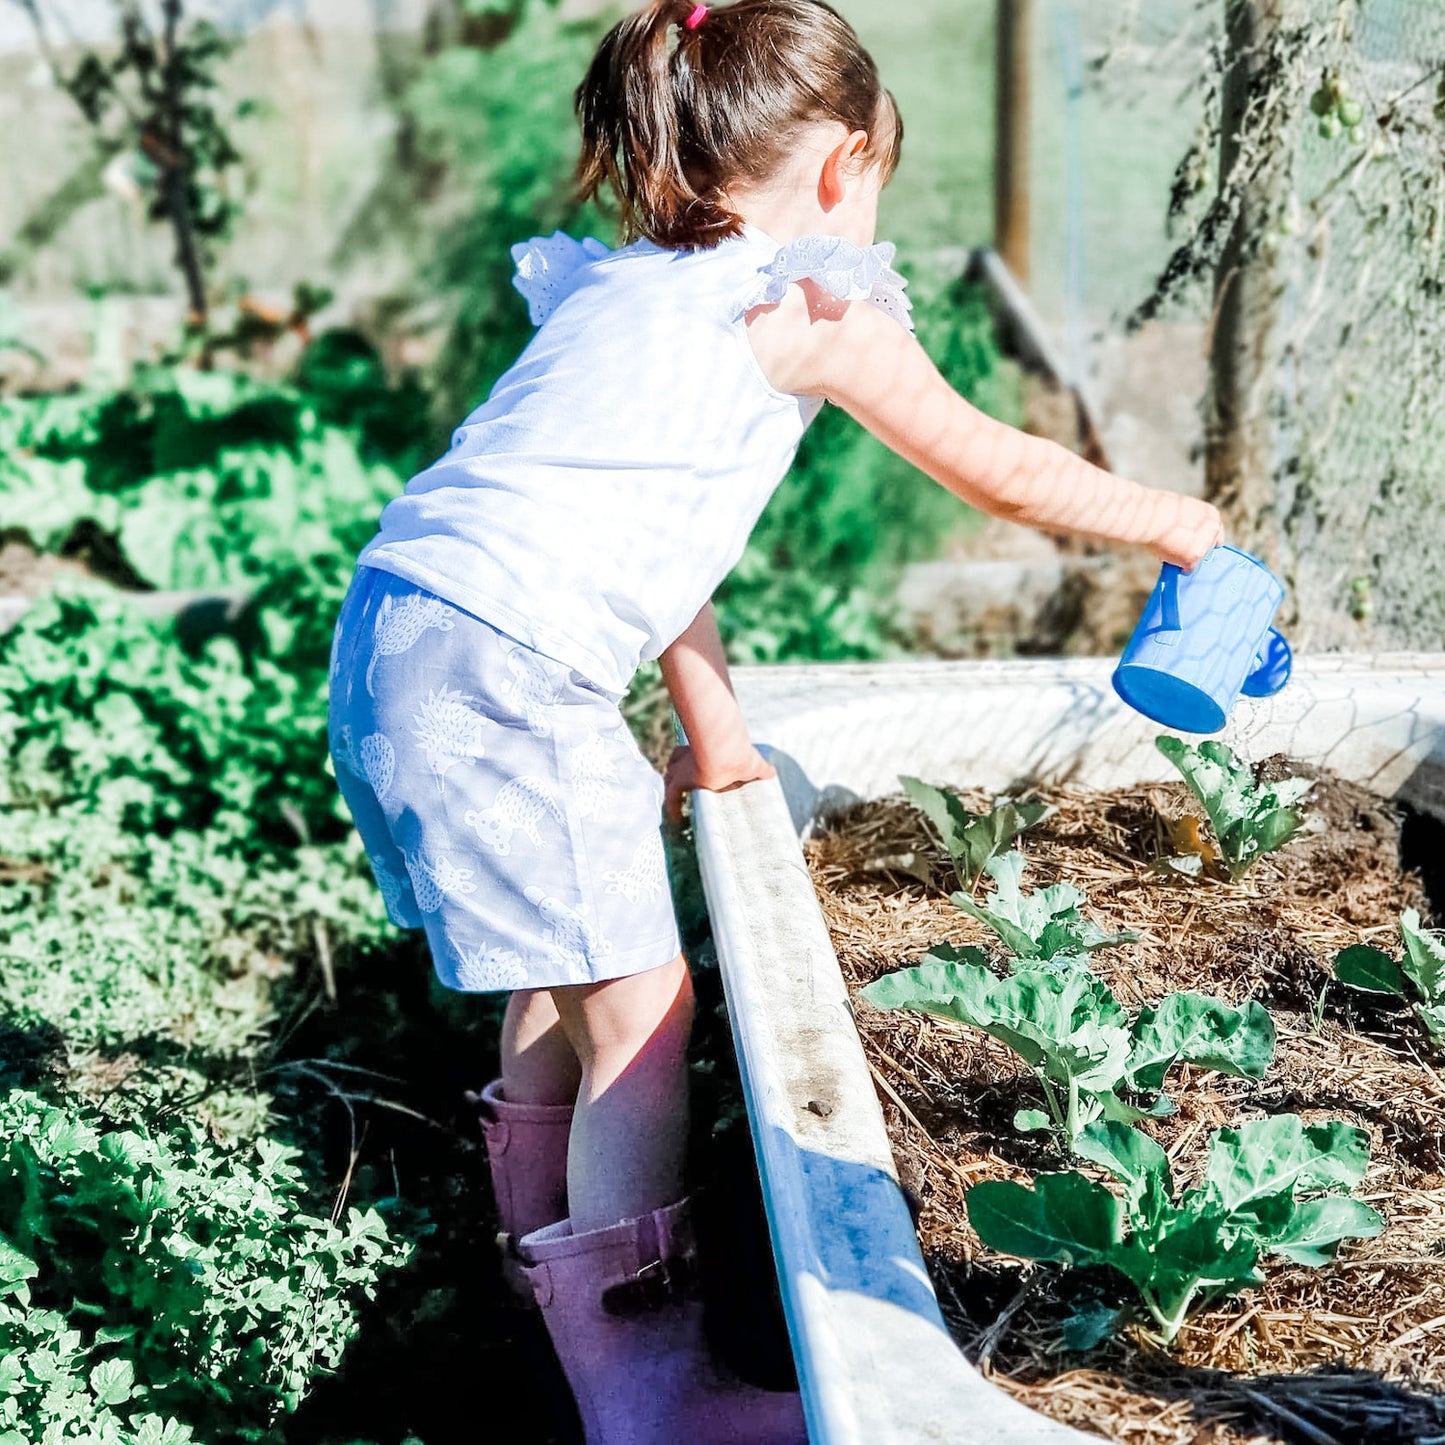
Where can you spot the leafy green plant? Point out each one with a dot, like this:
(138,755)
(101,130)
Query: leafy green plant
(971,839)
(1421,972)
(1272,1186)
(1078,1039)
(1249,818)
(1043,928)
(195,479)
(153,1285)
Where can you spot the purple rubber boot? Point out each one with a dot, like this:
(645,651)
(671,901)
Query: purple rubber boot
(622,1307)
(527,1152)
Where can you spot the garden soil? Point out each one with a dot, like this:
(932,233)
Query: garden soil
(1353,1352)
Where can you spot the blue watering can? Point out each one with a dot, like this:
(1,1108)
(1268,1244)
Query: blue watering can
(1205,638)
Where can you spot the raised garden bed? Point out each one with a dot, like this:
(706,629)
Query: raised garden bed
(843,735)
(951,1093)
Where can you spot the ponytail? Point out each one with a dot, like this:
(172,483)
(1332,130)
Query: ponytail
(672,113)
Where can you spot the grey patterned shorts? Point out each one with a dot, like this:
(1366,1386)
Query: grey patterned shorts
(503,803)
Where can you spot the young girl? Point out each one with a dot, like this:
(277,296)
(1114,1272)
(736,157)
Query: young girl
(579,523)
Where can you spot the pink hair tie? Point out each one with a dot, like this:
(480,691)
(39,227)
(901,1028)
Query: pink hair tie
(698,15)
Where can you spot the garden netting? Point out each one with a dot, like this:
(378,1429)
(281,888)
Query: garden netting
(1342,147)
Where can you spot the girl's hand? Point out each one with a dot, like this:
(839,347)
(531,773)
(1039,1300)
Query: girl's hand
(686,771)
(1194,530)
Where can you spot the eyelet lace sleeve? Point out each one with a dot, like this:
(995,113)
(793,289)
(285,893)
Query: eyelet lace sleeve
(851,273)
(547,266)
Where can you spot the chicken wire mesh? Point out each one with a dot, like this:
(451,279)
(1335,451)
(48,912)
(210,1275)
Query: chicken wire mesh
(1328,214)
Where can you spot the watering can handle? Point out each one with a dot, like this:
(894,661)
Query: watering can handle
(1169,597)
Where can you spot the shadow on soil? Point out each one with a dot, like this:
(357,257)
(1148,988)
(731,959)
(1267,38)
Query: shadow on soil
(1003,1315)
(444,1355)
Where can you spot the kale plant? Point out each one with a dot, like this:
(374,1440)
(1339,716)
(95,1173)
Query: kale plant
(971,839)
(1084,1049)
(1044,928)
(1249,818)
(1272,1186)
(1419,975)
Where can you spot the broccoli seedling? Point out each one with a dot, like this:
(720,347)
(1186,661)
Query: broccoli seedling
(1249,818)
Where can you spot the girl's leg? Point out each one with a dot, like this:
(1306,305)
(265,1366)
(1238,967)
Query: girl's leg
(539,1065)
(526,1118)
(629,1132)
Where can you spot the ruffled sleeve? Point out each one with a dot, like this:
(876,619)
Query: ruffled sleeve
(850,272)
(547,269)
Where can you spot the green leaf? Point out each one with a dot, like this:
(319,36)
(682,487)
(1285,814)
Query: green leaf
(16,1267)
(113,1381)
(1121,1112)
(945,811)
(1186,1256)
(153,1430)
(1433,1017)
(1064,1217)
(1193,1028)
(1031,1121)
(1209,1243)
(1191,865)
(1318,1226)
(1361,966)
(957,953)
(1089,1324)
(971,839)
(1424,959)
(1130,1156)
(1067,1027)
(1040,1015)
(1265,1159)
(1043,925)
(12,1378)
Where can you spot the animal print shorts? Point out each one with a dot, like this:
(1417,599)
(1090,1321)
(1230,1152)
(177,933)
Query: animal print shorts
(503,803)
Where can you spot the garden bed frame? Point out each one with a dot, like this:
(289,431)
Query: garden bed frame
(875,1361)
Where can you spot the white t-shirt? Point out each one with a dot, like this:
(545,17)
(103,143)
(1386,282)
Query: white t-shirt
(592,505)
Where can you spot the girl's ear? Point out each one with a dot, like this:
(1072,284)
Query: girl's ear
(839,167)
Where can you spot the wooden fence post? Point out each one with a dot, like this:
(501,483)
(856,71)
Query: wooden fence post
(1011,147)
(1241,453)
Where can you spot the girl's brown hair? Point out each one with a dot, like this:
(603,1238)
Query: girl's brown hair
(671,116)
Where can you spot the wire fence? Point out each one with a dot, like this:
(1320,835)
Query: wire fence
(1333,201)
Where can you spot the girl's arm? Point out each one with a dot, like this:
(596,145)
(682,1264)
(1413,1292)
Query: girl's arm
(865,362)
(719,754)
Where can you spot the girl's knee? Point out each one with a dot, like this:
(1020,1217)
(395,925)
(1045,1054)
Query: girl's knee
(627,1016)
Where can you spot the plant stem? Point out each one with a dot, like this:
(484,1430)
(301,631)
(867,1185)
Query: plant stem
(1169,1325)
(1061,1117)
(175,175)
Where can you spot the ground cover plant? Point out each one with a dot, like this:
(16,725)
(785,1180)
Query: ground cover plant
(172,859)
(1340,1347)
(181,893)
(179,888)
(196,976)
(210,1290)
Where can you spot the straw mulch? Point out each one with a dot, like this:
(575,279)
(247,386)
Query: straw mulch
(1350,1353)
